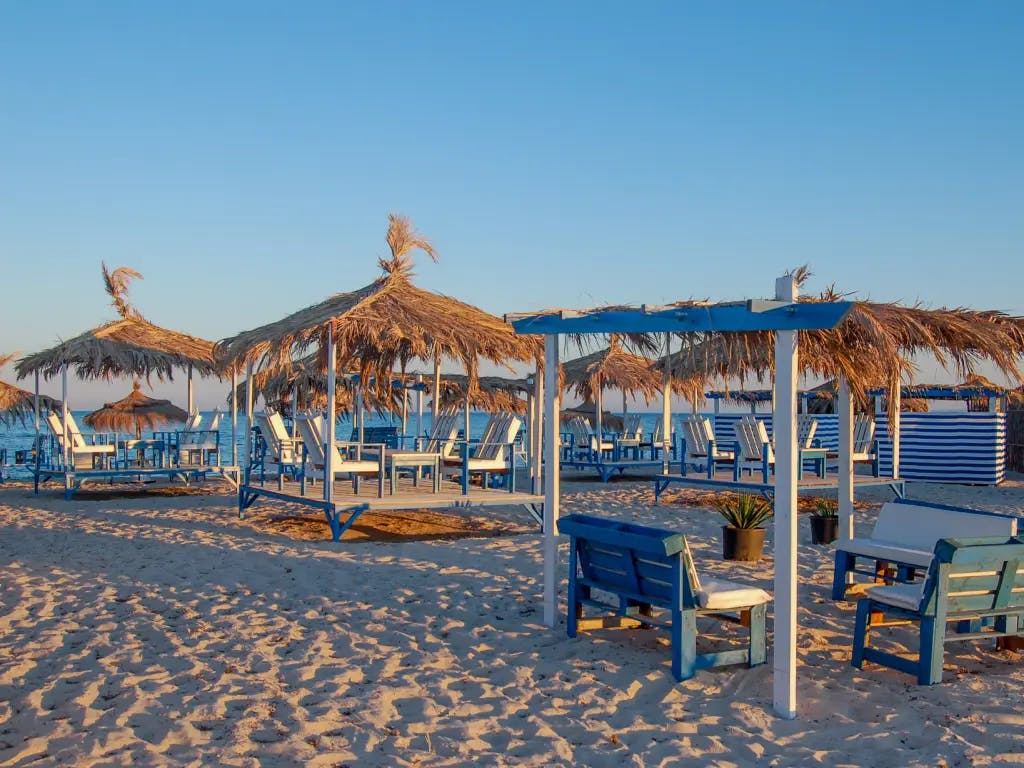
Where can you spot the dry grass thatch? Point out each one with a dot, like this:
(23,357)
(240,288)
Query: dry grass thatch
(612,368)
(132,413)
(19,404)
(386,324)
(131,346)
(491,393)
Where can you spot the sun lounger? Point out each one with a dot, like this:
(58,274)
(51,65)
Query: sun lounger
(699,448)
(199,446)
(495,453)
(347,461)
(86,453)
(646,568)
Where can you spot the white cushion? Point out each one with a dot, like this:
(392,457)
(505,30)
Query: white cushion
(719,594)
(886,550)
(356,466)
(899,595)
(93,449)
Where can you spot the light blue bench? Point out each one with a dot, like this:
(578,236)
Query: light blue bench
(903,540)
(645,568)
(970,581)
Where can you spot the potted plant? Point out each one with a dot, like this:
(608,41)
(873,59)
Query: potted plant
(743,535)
(825,521)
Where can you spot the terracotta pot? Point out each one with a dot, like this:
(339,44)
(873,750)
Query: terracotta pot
(824,530)
(742,543)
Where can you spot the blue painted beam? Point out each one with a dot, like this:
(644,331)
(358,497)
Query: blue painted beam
(739,316)
(956,393)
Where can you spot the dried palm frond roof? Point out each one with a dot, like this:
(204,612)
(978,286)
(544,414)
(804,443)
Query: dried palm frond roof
(611,368)
(386,324)
(18,403)
(129,346)
(135,412)
(487,393)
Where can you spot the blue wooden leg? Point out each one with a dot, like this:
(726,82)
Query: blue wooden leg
(929,671)
(684,644)
(860,632)
(758,643)
(844,564)
(736,468)
(574,604)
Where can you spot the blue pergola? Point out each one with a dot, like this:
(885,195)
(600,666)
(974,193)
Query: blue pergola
(784,315)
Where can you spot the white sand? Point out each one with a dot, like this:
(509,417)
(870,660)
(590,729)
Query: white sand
(168,632)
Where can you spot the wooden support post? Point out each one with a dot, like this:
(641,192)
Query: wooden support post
(666,407)
(419,405)
(248,415)
(190,392)
(599,417)
(65,452)
(35,408)
(895,402)
(435,401)
(234,416)
(551,479)
(537,485)
(845,409)
(786,458)
(332,415)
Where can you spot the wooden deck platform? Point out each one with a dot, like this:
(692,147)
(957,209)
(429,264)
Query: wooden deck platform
(74,479)
(754,483)
(346,505)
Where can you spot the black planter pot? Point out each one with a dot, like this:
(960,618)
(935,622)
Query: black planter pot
(824,530)
(742,543)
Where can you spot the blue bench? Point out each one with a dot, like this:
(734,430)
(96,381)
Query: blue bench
(388,436)
(645,568)
(970,582)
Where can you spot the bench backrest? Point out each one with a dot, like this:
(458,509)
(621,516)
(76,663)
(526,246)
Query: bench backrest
(443,433)
(919,525)
(639,561)
(863,433)
(632,429)
(312,439)
(494,443)
(968,575)
(806,429)
(752,437)
(695,430)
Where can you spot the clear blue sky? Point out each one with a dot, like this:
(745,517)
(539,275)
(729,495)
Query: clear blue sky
(243,156)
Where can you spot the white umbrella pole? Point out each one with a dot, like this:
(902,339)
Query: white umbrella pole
(599,418)
(419,406)
(895,402)
(295,411)
(36,408)
(248,415)
(435,403)
(551,487)
(786,458)
(329,449)
(189,392)
(538,434)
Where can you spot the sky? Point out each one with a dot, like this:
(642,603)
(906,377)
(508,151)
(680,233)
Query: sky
(244,156)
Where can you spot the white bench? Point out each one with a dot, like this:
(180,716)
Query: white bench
(904,539)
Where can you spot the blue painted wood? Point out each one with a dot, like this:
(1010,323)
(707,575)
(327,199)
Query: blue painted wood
(969,583)
(735,316)
(646,568)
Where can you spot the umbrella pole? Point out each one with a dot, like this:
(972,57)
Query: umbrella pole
(666,406)
(538,434)
(329,448)
(248,418)
(599,419)
(435,405)
(64,419)
(234,416)
(419,405)
(295,410)
(551,480)
(189,393)
(36,407)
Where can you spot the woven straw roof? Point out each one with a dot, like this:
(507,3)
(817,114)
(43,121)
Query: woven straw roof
(18,403)
(611,368)
(130,346)
(134,412)
(386,324)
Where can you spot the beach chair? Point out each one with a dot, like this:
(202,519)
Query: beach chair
(699,448)
(442,437)
(646,568)
(348,459)
(753,448)
(806,429)
(865,446)
(974,583)
(585,442)
(275,445)
(199,446)
(631,437)
(495,453)
(657,442)
(86,453)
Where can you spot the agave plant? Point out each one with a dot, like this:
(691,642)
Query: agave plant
(744,510)
(826,508)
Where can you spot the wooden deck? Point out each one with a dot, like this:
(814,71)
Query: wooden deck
(754,483)
(74,479)
(346,505)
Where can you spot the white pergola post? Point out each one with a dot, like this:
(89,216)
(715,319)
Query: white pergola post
(65,448)
(786,458)
(666,406)
(844,407)
(895,403)
(234,416)
(419,405)
(537,436)
(551,478)
(599,415)
(295,410)
(332,415)
(248,414)
(35,407)
(190,391)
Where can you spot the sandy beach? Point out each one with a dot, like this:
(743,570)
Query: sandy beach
(163,630)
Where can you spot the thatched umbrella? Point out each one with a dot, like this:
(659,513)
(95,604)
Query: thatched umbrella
(135,412)
(610,368)
(17,403)
(491,393)
(129,346)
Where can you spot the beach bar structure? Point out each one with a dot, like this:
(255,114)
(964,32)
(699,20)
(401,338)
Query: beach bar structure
(785,317)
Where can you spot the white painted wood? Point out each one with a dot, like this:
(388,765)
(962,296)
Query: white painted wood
(844,407)
(551,484)
(465,417)
(248,413)
(895,402)
(295,411)
(537,486)
(35,408)
(190,391)
(330,452)
(234,416)
(435,401)
(419,405)
(786,457)
(599,416)
(666,407)
(66,447)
